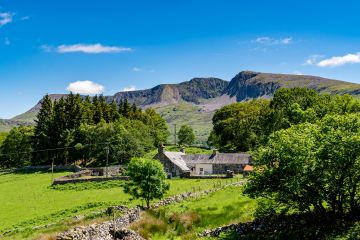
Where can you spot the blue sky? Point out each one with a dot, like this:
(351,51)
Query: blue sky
(112,45)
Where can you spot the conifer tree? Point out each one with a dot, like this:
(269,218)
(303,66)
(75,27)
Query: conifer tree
(97,110)
(41,139)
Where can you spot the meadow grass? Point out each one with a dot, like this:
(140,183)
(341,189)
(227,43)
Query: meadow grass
(186,219)
(28,199)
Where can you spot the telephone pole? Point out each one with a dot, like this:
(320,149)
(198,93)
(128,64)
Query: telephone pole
(107,160)
(175,134)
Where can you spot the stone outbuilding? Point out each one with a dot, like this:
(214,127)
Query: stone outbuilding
(247,170)
(182,164)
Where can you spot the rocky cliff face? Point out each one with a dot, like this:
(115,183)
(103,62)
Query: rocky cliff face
(243,87)
(250,85)
(191,91)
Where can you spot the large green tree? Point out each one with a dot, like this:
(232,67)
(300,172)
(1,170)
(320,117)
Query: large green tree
(237,127)
(311,166)
(147,180)
(16,150)
(186,135)
(42,133)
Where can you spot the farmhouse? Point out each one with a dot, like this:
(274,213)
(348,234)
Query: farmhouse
(180,163)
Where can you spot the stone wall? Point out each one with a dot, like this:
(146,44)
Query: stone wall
(106,230)
(111,171)
(90,179)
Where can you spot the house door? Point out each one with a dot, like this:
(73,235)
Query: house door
(201,171)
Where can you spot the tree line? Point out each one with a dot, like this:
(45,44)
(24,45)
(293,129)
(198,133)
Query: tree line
(247,125)
(305,148)
(88,130)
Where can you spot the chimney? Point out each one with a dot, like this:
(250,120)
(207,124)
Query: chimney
(182,149)
(214,153)
(161,148)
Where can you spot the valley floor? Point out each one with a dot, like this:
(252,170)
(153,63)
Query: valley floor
(30,206)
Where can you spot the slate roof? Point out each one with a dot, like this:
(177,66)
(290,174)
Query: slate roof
(177,159)
(218,158)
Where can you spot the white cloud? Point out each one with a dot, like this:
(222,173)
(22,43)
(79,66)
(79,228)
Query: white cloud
(91,48)
(85,87)
(286,41)
(136,69)
(313,59)
(129,89)
(262,40)
(5,18)
(25,18)
(272,41)
(340,60)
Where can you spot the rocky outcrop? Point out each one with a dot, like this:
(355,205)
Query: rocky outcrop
(251,85)
(191,91)
(243,87)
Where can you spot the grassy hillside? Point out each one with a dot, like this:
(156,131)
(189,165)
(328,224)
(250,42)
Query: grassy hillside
(28,200)
(323,85)
(4,127)
(189,114)
(26,117)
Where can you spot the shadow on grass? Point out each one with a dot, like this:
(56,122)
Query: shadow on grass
(87,186)
(38,170)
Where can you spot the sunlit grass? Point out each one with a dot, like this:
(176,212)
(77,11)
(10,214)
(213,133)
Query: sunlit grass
(28,200)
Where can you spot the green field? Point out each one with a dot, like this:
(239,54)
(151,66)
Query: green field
(186,219)
(27,200)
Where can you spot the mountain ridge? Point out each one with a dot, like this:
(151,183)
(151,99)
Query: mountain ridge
(194,101)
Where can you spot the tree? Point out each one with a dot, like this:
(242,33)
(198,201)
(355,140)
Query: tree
(158,126)
(186,135)
(43,127)
(147,180)
(238,126)
(247,125)
(311,166)
(16,150)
